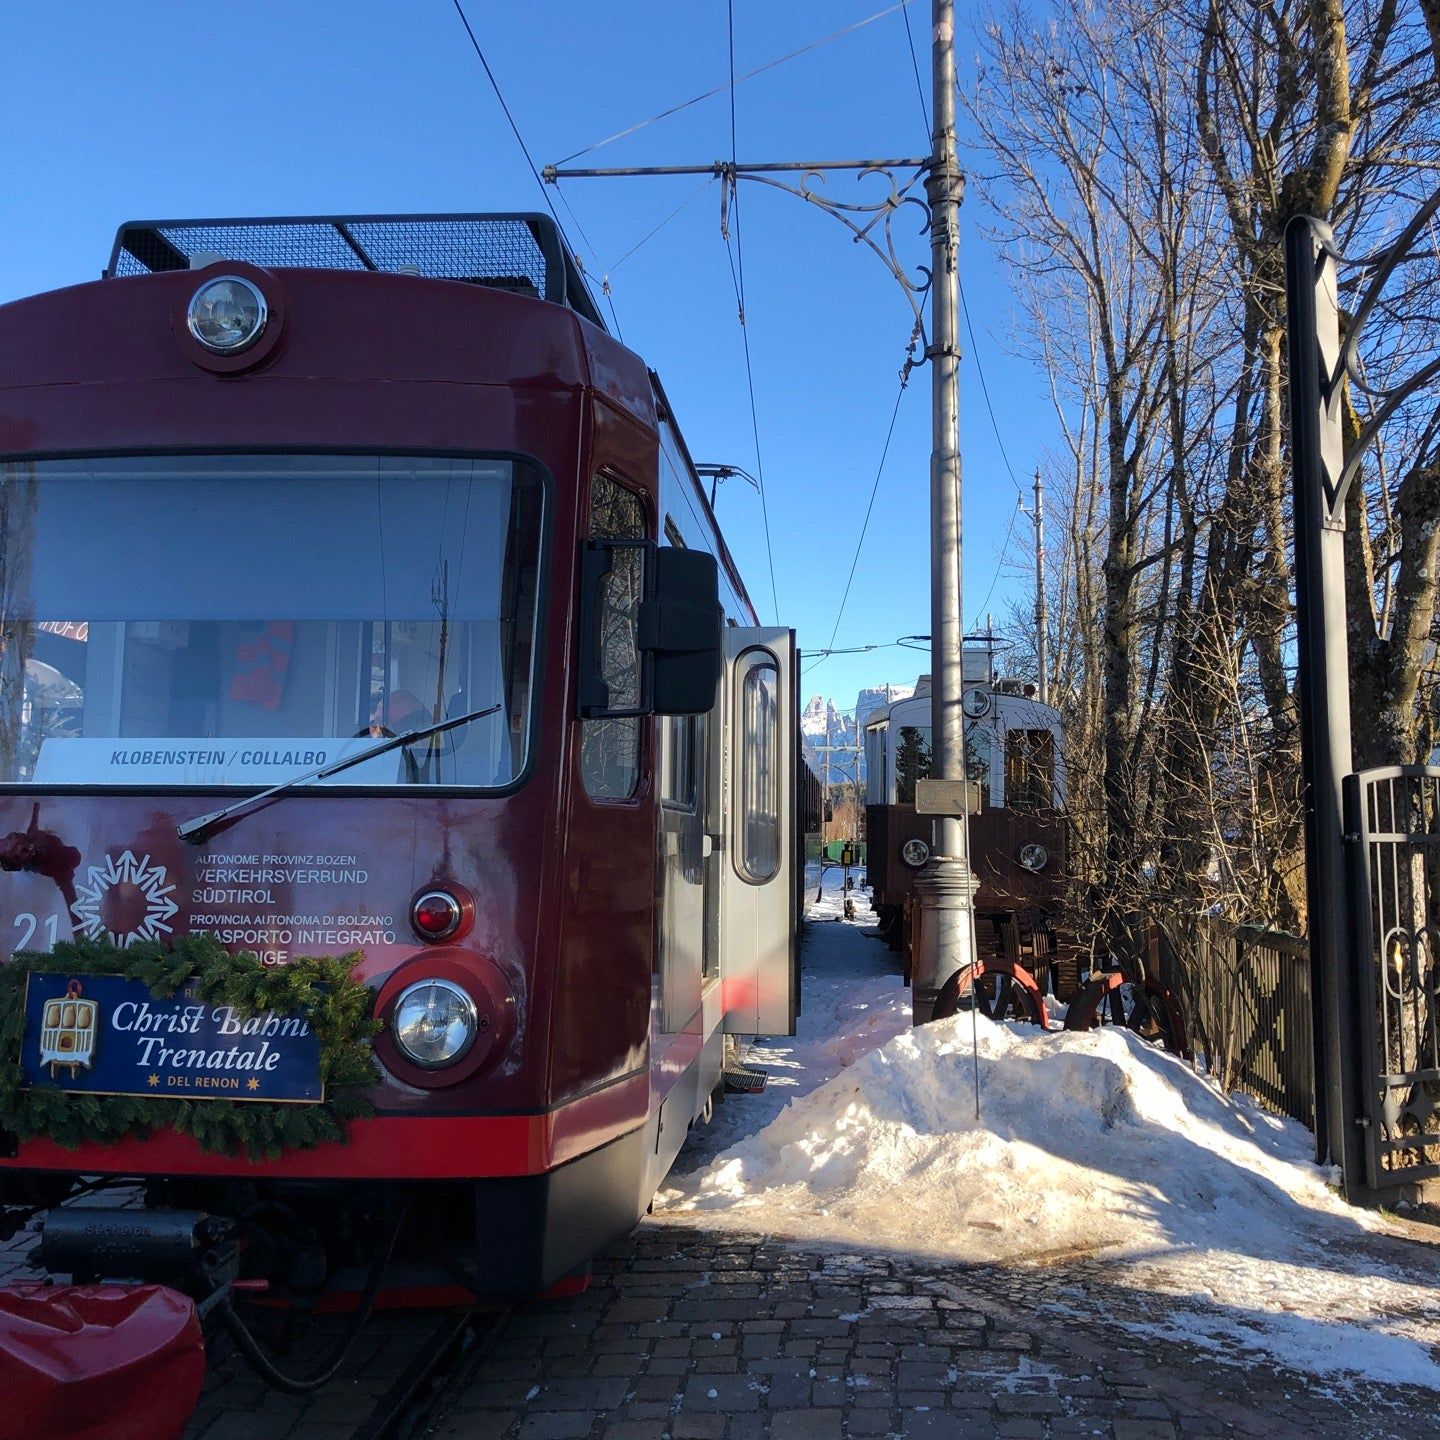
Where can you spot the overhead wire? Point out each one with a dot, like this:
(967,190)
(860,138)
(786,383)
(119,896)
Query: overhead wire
(733,81)
(985,390)
(915,62)
(1004,551)
(904,381)
(819,657)
(737,277)
(684,205)
(874,490)
(525,150)
(974,346)
(994,425)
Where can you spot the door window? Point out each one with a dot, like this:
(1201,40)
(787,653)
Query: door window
(759,788)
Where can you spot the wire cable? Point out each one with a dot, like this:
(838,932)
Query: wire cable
(995,426)
(819,657)
(1004,551)
(328,1368)
(985,390)
(525,151)
(869,508)
(737,277)
(733,82)
(915,62)
(684,205)
(605,280)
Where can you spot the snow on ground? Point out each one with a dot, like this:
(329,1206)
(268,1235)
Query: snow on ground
(852,1002)
(1087,1145)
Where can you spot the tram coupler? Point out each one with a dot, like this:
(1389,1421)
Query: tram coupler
(193,1251)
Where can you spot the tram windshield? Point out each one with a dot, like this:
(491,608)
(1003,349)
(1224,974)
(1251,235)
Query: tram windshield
(235,619)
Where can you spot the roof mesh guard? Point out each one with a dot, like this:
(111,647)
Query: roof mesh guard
(524,254)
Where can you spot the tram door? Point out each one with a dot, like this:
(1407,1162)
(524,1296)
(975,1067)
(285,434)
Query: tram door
(684,953)
(752,858)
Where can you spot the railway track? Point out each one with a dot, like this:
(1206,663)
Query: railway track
(428,1387)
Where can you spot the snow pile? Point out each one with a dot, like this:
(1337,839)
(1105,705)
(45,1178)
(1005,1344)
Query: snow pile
(1085,1141)
(1093,1152)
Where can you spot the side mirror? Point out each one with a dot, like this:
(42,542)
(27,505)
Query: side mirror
(680,629)
(650,630)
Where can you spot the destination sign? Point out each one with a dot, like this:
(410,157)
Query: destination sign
(67,760)
(108,1035)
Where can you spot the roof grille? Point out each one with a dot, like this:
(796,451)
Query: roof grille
(520,253)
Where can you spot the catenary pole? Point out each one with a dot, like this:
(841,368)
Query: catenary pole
(825,808)
(944,888)
(1042,617)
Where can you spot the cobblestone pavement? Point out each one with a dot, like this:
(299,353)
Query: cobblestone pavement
(696,1337)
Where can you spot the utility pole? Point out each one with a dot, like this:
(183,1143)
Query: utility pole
(1042,617)
(945,887)
(1317,450)
(825,808)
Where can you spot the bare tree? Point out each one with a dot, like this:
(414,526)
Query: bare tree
(1097,207)
(1142,163)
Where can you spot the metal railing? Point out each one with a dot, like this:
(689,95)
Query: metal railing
(1392,819)
(1246,998)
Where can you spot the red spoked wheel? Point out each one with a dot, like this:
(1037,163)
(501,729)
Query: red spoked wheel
(1148,1009)
(1002,989)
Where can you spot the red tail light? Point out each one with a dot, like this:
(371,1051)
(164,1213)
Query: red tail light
(436,914)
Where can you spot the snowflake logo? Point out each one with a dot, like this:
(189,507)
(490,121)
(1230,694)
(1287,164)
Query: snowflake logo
(126,900)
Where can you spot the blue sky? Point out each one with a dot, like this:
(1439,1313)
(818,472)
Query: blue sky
(318,106)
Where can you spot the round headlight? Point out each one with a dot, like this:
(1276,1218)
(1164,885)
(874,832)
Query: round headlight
(227,315)
(915,853)
(1034,856)
(434,1023)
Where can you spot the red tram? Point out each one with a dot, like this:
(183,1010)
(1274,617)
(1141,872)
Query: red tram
(274,491)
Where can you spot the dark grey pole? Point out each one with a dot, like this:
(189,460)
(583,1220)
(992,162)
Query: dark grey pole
(1317,459)
(1042,617)
(944,888)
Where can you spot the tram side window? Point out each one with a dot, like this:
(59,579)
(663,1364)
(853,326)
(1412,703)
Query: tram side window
(610,749)
(677,774)
(978,748)
(1029,769)
(912,761)
(760,773)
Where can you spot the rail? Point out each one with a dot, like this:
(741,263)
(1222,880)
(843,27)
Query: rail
(1246,998)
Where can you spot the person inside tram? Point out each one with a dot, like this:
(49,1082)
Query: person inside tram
(394,714)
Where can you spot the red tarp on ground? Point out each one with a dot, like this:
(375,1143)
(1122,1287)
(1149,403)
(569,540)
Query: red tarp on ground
(98,1362)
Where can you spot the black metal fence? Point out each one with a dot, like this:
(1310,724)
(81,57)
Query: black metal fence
(1392,817)
(1246,998)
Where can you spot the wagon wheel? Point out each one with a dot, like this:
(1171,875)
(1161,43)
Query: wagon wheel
(1146,1008)
(1003,991)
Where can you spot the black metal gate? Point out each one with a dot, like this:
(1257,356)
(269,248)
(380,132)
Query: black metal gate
(1392,824)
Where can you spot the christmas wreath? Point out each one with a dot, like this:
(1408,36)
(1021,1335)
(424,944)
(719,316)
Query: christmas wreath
(338,1007)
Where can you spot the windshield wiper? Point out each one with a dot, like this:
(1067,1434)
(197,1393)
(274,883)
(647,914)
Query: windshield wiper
(196,832)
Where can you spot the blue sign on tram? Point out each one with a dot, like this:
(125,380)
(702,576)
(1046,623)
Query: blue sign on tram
(108,1035)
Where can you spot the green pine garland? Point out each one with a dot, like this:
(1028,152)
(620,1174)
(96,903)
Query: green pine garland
(338,1007)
